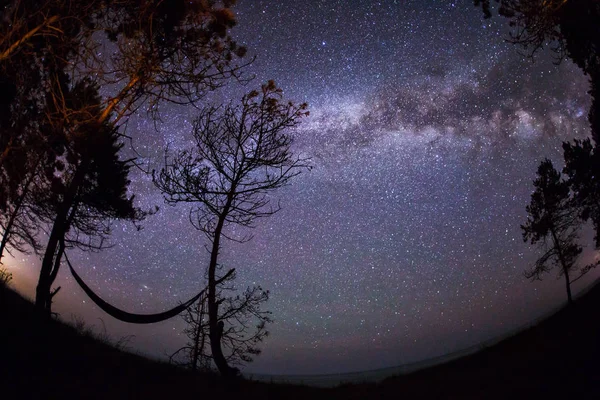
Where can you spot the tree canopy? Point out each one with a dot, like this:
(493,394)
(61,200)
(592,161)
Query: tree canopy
(55,123)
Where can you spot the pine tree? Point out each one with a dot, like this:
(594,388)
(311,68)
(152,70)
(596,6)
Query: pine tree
(582,166)
(88,189)
(553,224)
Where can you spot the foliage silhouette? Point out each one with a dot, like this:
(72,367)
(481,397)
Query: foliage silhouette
(18,220)
(88,189)
(553,222)
(56,53)
(5,278)
(570,26)
(582,160)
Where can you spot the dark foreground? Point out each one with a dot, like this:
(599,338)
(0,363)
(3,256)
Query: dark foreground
(557,359)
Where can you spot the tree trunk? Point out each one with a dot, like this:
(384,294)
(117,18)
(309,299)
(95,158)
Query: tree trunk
(568,282)
(199,332)
(213,308)
(201,347)
(13,215)
(53,275)
(563,264)
(42,292)
(52,253)
(8,229)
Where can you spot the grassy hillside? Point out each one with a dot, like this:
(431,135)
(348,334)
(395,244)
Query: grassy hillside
(559,358)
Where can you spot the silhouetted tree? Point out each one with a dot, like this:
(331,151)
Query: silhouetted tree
(88,189)
(27,22)
(553,222)
(147,50)
(571,26)
(144,53)
(572,29)
(243,325)
(195,353)
(5,280)
(19,223)
(242,154)
(582,161)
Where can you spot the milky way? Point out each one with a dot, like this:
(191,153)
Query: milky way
(403,242)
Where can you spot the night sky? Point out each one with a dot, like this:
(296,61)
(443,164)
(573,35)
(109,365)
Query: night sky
(403,242)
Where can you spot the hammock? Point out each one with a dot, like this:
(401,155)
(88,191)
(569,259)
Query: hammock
(125,316)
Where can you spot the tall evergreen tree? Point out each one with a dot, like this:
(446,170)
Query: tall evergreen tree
(88,188)
(553,224)
(582,166)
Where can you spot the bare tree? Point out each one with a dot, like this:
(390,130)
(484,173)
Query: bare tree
(242,153)
(243,323)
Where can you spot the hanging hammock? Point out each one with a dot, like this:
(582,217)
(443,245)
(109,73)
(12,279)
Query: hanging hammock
(125,316)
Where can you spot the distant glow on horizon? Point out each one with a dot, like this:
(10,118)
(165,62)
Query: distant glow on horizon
(24,277)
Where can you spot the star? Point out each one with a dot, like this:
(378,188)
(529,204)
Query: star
(403,242)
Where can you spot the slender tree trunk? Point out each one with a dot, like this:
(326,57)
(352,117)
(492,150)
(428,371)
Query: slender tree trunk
(54,274)
(13,215)
(568,282)
(213,308)
(563,264)
(53,252)
(8,228)
(42,292)
(202,343)
(198,333)
(5,237)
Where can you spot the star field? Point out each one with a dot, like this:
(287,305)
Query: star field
(403,242)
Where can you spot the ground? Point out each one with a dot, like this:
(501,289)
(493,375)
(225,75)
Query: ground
(47,359)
